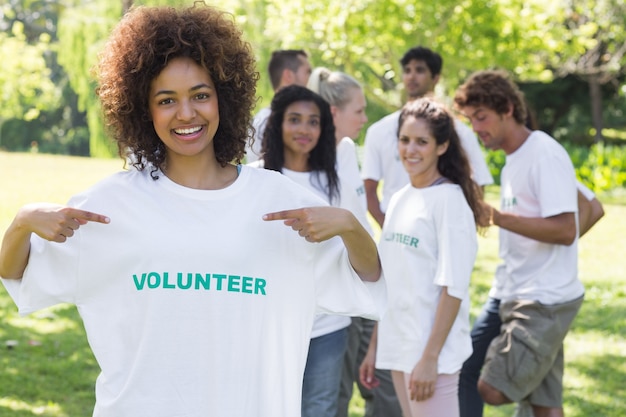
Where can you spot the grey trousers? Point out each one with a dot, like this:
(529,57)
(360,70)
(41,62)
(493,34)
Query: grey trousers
(379,402)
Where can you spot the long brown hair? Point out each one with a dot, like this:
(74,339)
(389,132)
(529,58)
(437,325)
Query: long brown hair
(453,164)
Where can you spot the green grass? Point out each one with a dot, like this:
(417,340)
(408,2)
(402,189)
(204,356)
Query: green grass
(51,372)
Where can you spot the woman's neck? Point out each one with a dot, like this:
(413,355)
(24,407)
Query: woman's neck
(200,175)
(298,163)
(426,179)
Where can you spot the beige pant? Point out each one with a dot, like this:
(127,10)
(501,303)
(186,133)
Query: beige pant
(443,403)
(526,360)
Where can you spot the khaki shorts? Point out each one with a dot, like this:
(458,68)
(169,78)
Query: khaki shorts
(525,362)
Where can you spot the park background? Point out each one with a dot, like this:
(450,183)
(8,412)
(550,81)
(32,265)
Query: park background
(567,56)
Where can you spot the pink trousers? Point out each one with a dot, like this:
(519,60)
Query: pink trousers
(444,402)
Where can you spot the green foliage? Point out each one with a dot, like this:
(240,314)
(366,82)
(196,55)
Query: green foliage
(600,167)
(591,39)
(537,41)
(25,85)
(495,162)
(82,31)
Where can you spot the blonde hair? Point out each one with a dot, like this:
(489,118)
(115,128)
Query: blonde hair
(333,86)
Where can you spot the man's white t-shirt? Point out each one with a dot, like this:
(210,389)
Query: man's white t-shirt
(193,305)
(253,151)
(585,191)
(428,242)
(537,180)
(381,161)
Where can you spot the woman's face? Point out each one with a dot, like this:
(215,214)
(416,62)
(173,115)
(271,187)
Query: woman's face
(301,128)
(350,120)
(419,151)
(184,108)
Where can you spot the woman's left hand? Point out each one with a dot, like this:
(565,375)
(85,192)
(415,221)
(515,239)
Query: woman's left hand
(315,224)
(423,379)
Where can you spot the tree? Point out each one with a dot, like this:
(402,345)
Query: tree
(82,30)
(537,41)
(25,85)
(595,48)
(62,123)
(366,38)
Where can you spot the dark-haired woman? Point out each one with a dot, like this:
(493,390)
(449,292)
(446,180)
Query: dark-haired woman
(299,141)
(428,247)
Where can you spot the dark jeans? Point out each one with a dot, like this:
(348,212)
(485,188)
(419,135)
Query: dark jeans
(322,374)
(486,328)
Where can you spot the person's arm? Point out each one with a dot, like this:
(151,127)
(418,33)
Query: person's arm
(373,203)
(367,368)
(559,229)
(589,212)
(317,224)
(424,375)
(51,222)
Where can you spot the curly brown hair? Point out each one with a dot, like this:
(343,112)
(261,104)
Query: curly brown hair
(140,47)
(494,90)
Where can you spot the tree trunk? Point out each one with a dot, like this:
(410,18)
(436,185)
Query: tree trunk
(595,94)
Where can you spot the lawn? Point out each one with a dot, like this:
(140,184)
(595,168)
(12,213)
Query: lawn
(51,372)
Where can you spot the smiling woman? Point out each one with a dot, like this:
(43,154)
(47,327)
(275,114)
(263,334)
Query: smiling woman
(301,132)
(181,118)
(428,247)
(299,141)
(300,136)
(185,113)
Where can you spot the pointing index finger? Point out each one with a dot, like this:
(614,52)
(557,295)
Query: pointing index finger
(84,216)
(282,215)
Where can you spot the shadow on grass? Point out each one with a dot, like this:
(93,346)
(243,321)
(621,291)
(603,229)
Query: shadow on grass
(604,310)
(599,328)
(607,395)
(51,371)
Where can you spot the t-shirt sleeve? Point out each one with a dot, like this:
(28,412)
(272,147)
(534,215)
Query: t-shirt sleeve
(469,141)
(258,123)
(50,277)
(339,289)
(585,191)
(555,184)
(372,164)
(347,155)
(457,245)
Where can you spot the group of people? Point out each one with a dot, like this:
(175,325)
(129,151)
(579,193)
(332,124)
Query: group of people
(210,287)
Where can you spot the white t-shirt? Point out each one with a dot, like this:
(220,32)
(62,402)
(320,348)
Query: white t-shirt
(471,146)
(381,160)
(193,305)
(352,188)
(537,180)
(253,151)
(585,191)
(428,242)
(325,323)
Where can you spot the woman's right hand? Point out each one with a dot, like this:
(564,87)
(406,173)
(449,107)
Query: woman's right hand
(49,221)
(366,370)
(54,222)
